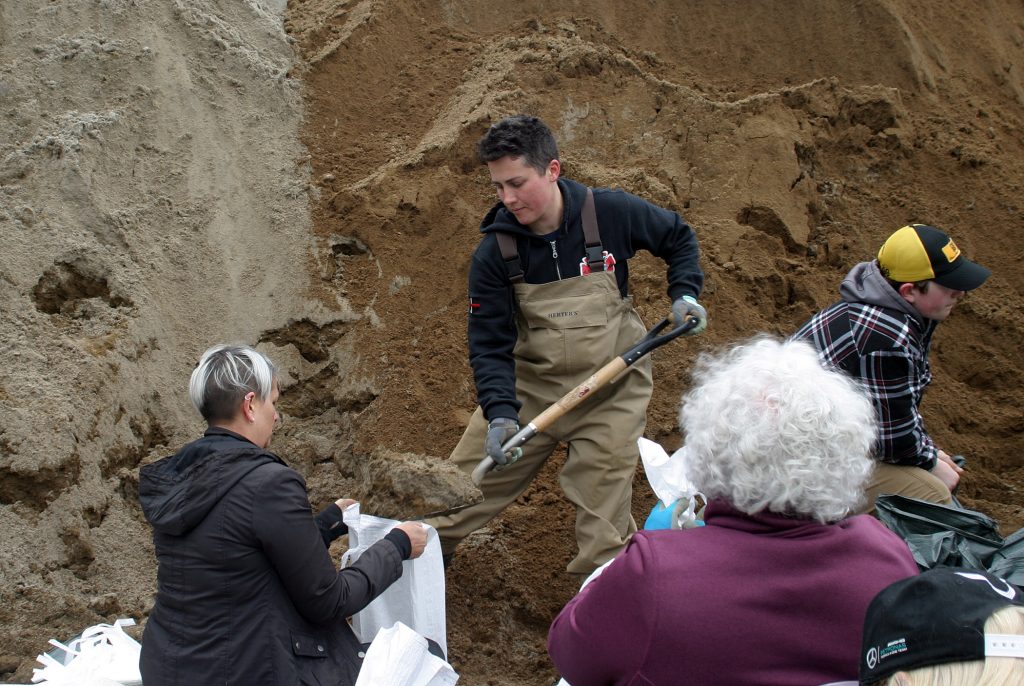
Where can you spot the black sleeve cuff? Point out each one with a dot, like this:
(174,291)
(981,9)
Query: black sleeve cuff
(502,410)
(401,541)
(331,523)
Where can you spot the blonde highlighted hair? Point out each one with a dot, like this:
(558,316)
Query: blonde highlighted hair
(224,375)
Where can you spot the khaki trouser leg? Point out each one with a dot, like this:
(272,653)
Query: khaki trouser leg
(598,474)
(912,482)
(499,487)
(600,483)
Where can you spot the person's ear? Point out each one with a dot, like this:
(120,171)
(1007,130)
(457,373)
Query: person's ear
(247,408)
(554,169)
(907,291)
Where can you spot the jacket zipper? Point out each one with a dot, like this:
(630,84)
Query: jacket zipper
(554,255)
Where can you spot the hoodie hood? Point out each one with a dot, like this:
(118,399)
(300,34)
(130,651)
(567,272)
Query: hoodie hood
(865,284)
(177,492)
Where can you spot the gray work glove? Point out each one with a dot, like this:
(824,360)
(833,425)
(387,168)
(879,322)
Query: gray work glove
(687,306)
(498,431)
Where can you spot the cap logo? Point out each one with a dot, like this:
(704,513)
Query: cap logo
(872,657)
(951,251)
(1009,593)
(892,648)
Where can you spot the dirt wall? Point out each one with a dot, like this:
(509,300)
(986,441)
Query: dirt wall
(302,177)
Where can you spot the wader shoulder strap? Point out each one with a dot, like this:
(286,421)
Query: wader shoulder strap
(510,253)
(591,234)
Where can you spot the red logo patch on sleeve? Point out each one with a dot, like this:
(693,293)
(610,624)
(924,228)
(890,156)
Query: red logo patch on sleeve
(474,306)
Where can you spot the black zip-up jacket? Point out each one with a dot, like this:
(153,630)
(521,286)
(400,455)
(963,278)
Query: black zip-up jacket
(246,590)
(627,224)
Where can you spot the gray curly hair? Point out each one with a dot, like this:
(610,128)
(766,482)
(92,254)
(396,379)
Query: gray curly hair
(767,428)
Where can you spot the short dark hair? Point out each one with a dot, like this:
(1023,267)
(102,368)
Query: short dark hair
(921,286)
(519,136)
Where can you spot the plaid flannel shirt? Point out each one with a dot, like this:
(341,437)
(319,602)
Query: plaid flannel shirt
(887,352)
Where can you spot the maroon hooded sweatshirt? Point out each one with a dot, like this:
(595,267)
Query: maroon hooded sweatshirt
(747,599)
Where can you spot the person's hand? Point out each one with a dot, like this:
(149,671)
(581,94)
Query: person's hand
(345,503)
(944,456)
(687,306)
(670,516)
(498,431)
(417,534)
(663,516)
(946,474)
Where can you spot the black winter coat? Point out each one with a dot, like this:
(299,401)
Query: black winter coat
(246,590)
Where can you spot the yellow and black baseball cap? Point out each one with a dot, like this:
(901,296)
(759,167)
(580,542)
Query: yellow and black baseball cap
(919,252)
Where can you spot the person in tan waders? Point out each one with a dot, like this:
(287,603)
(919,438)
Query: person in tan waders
(548,305)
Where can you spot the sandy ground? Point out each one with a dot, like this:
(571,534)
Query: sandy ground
(174,174)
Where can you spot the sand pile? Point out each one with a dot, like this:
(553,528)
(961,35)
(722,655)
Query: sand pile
(174,174)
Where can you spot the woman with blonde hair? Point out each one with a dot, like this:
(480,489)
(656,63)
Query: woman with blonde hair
(945,627)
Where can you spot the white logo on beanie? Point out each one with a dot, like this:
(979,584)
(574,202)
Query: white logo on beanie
(1009,593)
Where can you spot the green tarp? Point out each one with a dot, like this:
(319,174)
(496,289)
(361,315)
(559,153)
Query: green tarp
(953,537)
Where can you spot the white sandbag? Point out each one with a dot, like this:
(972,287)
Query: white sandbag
(103,655)
(416,599)
(398,656)
(669,483)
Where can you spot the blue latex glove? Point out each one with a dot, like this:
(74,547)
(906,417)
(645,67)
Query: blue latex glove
(667,516)
(661,517)
(687,306)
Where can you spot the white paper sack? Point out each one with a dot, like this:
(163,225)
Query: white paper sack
(416,599)
(398,656)
(665,474)
(104,655)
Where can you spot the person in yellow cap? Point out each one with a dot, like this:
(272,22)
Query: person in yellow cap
(880,333)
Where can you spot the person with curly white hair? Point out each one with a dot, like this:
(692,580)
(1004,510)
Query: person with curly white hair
(765,431)
(774,588)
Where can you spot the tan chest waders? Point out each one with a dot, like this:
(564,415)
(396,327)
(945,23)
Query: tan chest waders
(566,331)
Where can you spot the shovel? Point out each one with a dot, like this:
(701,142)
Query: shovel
(583,391)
